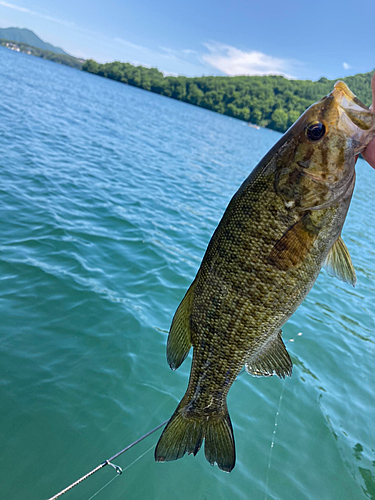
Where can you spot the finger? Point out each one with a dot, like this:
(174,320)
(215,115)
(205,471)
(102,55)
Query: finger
(369,153)
(372,107)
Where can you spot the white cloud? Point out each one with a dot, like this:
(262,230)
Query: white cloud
(38,14)
(188,51)
(129,44)
(15,7)
(145,52)
(346,65)
(168,50)
(171,62)
(232,61)
(178,53)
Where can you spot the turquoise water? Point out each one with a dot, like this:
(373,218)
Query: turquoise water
(109,196)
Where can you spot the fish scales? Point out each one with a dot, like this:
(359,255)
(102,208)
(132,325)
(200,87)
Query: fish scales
(280,227)
(253,291)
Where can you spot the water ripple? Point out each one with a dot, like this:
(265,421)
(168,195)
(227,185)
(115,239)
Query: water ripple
(109,196)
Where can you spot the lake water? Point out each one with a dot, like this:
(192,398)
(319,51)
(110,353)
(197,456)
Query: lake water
(109,196)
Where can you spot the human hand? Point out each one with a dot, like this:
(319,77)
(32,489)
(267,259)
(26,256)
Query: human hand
(369,153)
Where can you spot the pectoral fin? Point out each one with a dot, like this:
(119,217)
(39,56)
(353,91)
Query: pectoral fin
(292,248)
(179,339)
(271,358)
(339,263)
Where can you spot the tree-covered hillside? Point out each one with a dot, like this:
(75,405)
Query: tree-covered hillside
(269,101)
(44,54)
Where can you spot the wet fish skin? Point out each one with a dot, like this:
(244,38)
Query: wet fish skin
(280,227)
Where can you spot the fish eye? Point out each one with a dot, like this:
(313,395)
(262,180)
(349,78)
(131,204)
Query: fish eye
(315,131)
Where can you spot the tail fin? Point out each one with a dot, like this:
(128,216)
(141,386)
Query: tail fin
(186,433)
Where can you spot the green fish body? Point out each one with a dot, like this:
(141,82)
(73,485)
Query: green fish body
(283,224)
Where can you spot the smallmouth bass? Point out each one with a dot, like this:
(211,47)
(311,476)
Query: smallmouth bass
(283,224)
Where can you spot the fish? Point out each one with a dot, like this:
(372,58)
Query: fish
(281,226)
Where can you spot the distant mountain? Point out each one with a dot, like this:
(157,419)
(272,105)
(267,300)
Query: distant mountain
(27,36)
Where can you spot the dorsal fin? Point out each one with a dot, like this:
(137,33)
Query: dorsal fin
(179,339)
(339,262)
(271,358)
(291,249)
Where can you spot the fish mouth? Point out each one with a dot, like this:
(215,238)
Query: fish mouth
(356,119)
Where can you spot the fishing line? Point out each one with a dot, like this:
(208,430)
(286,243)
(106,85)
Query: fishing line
(123,470)
(108,462)
(120,471)
(102,488)
(275,428)
(136,460)
(273,440)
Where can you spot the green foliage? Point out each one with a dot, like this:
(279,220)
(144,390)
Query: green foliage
(269,101)
(91,66)
(279,120)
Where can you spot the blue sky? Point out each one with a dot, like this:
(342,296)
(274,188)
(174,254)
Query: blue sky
(298,39)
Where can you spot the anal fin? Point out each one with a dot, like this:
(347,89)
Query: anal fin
(271,358)
(179,339)
(339,263)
